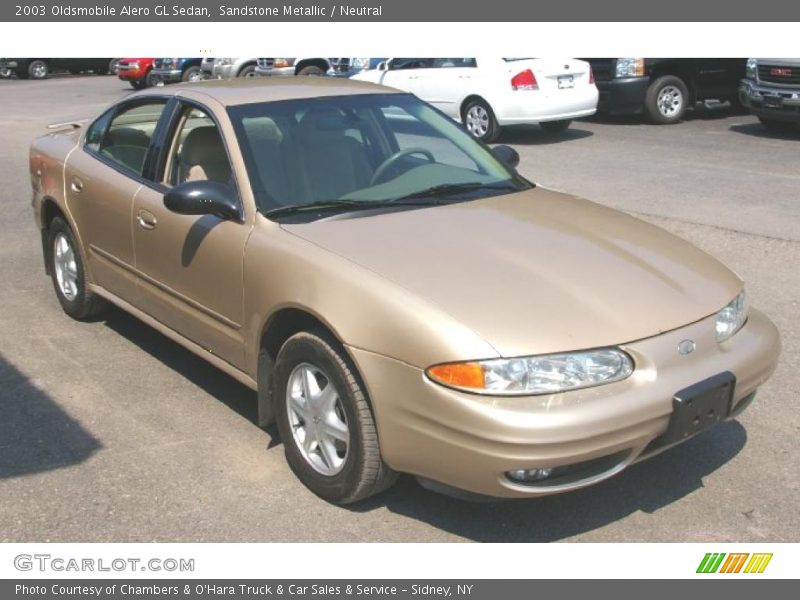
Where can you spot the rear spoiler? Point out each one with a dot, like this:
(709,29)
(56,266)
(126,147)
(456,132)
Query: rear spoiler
(77,124)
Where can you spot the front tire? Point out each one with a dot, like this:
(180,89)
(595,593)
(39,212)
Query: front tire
(325,421)
(68,274)
(138,84)
(192,74)
(150,79)
(555,126)
(666,100)
(311,71)
(478,117)
(248,71)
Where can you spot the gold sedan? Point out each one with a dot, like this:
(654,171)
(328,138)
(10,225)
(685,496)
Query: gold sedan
(401,299)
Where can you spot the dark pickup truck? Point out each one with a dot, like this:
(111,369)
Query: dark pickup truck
(771,90)
(664,88)
(39,68)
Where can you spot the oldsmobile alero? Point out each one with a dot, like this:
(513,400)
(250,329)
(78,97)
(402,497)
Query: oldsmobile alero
(401,299)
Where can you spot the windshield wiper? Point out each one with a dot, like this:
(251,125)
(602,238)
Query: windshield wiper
(341,204)
(449,189)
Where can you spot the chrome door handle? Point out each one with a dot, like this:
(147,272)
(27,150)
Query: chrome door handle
(76,185)
(146,219)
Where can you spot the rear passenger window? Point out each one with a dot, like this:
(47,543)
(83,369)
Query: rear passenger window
(128,136)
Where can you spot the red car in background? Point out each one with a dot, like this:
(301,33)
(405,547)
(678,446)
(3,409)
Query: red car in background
(136,71)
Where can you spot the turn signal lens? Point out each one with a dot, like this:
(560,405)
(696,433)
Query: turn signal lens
(462,375)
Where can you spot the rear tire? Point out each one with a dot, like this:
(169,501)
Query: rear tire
(478,117)
(666,100)
(311,71)
(555,126)
(68,274)
(38,69)
(342,468)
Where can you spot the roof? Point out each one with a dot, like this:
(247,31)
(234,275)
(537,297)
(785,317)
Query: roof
(249,90)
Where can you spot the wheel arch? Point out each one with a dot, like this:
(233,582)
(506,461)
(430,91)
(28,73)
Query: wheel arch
(282,324)
(676,69)
(469,98)
(242,67)
(316,62)
(48,211)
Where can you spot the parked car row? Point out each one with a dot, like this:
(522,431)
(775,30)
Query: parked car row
(40,68)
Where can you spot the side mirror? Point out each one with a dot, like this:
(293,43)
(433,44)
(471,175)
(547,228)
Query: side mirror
(384,65)
(506,155)
(203,198)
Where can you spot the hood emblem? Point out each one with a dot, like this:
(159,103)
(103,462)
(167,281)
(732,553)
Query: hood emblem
(686,347)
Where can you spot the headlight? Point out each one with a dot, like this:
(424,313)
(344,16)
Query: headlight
(751,68)
(731,318)
(359,63)
(529,375)
(224,61)
(630,67)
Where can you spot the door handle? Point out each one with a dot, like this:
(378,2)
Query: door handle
(146,219)
(76,185)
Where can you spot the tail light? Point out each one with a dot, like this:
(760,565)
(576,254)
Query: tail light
(524,80)
(591,76)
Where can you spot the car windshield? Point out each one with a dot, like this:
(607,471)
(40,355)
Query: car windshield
(362,151)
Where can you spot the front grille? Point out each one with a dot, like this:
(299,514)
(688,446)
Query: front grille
(340,65)
(779,75)
(266,63)
(603,68)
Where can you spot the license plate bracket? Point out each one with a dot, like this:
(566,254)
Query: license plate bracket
(566,82)
(699,406)
(773,101)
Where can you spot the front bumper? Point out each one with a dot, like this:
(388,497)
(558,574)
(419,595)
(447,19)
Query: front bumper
(127,73)
(770,102)
(222,72)
(274,72)
(469,442)
(167,75)
(622,96)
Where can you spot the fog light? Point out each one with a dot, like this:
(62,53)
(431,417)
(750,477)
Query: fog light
(528,475)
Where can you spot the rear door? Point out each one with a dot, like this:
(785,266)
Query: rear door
(191,266)
(448,81)
(407,74)
(103,175)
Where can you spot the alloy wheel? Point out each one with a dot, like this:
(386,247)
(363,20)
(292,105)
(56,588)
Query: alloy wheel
(317,419)
(65,267)
(670,101)
(477,121)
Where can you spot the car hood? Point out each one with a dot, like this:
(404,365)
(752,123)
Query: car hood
(536,271)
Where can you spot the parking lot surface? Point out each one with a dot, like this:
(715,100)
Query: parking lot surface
(110,432)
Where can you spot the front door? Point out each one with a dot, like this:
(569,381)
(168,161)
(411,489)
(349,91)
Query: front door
(191,266)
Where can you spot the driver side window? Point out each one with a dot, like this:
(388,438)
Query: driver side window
(197,152)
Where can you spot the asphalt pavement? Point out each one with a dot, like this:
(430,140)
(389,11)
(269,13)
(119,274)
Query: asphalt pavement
(110,432)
